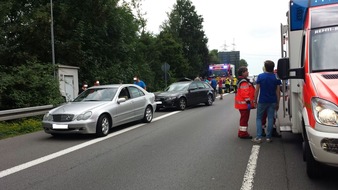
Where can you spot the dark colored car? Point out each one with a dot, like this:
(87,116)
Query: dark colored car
(185,93)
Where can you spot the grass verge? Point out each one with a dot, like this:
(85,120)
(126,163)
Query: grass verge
(19,127)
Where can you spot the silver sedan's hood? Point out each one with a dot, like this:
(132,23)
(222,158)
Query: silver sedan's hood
(76,107)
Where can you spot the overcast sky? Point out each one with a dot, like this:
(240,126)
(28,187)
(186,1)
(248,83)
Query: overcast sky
(253,26)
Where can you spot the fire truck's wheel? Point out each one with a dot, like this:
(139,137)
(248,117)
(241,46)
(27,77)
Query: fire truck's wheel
(313,168)
(209,100)
(304,157)
(182,103)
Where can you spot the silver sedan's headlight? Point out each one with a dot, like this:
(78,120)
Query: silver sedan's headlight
(47,117)
(325,112)
(84,116)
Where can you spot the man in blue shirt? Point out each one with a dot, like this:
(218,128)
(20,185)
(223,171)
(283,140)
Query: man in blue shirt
(140,83)
(268,90)
(213,84)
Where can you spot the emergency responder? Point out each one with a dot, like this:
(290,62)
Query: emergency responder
(220,88)
(244,101)
(234,84)
(227,85)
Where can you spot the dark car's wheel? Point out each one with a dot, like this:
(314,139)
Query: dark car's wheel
(148,115)
(103,126)
(209,100)
(182,103)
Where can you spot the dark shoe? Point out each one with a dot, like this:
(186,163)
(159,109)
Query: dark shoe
(246,137)
(275,133)
(268,140)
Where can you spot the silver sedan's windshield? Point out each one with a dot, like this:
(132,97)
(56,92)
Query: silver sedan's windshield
(97,94)
(324,49)
(177,87)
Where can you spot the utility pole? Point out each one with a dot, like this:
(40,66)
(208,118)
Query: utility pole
(225,46)
(52,33)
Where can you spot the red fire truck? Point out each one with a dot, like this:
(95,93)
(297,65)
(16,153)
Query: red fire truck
(222,71)
(312,73)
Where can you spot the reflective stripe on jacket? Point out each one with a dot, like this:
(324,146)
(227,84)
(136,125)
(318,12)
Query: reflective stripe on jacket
(245,92)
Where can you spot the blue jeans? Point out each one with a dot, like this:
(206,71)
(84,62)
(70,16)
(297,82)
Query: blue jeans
(261,108)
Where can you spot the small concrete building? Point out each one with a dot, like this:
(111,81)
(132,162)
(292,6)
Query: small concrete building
(69,81)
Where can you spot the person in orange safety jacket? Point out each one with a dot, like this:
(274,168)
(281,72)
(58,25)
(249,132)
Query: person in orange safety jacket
(244,101)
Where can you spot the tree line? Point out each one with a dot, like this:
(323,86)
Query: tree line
(105,39)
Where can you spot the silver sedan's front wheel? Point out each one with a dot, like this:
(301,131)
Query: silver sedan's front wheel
(148,115)
(103,126)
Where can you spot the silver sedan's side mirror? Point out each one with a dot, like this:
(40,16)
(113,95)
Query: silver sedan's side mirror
(120,100)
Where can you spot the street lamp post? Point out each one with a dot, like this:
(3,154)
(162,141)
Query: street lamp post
(52,33)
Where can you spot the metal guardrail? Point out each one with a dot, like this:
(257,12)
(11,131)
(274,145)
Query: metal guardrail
(24,112)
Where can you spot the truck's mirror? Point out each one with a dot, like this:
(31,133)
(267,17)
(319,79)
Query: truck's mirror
(283,68)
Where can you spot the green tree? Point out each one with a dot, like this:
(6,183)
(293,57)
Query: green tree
(25,32)
(25,59)
(29,85)
(213,57)
(172,52)
(100,37)
(185,25)
(97,36)
(242,62)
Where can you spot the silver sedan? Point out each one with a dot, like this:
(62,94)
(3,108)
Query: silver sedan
(100,108)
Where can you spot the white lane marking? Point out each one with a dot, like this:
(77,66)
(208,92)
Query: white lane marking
(249,175)
(72,149)
(166,115)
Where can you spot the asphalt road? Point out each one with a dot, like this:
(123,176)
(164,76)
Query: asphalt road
(193,149)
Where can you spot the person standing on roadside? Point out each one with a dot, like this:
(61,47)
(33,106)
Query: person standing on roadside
(206,80)
(84,87)
(97,83)
(227,85)
(197,78)
(234,84)
(213,84)
(220,88)
(244,101)
(268,95)
(140,83)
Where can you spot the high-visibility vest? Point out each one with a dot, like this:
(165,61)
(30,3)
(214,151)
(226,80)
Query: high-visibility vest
(234,81)
(245,92)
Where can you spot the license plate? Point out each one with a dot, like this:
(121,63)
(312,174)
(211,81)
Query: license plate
(57,126)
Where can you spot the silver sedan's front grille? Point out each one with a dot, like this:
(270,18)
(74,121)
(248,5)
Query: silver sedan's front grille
(63,117)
